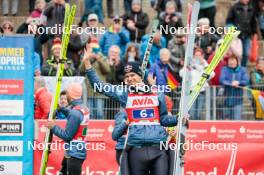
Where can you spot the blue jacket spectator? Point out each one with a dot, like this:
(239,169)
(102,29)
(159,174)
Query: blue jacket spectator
(160,68)
(116,35)
(159,42)
(233,77)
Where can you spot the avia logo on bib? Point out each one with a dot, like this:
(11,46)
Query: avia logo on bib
(138,101)
(142,101)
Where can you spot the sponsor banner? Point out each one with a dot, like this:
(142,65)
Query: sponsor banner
(226,131)
(11,87)
(10,168)
(11,148)
(16,103)
(203,157)
(11,127)
(11,107)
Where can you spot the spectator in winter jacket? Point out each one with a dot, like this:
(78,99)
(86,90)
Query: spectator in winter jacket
(38,9)
(177,47)
(170,19)
(197,68)
(92,29)
(132,54)
(159,42)
(257,75)
(242,16)
(136,21)
(208,10)
(74,133)
(55,12)
(159,70)
(235,48)
(233,77)
(116,66)
(42,99)
(204,39)
(51,66)
(116,35)
(99,63)
(74,48)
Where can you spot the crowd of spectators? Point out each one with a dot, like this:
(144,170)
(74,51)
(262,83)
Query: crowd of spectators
(126,39)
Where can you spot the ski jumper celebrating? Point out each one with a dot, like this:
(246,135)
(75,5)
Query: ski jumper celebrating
(77,115)
(147,115)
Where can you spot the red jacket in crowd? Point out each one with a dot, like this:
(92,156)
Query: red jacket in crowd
(43,100)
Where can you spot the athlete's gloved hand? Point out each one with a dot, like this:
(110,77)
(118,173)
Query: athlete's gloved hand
(186,120)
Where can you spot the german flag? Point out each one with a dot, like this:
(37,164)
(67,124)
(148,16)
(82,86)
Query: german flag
(172,81)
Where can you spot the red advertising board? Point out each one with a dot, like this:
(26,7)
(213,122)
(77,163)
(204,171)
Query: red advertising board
(213,148)
(11,87)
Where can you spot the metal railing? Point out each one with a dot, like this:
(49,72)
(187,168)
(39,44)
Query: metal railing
(212,104)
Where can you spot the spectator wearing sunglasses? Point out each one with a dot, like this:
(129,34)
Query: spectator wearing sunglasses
(7,27)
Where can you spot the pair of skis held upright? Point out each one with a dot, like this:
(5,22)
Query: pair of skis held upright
(68,21)
(188,97)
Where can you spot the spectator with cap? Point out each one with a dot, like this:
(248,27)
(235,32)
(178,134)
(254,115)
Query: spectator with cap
(242,16)
(232,77)
(42,99)
(93,29)
(75,131)
(204,39)
(93,6)
(5,6)
(116,35)
(136,21)
(208,10)
(159,42)
(7,27)
(170,18)
(51,66)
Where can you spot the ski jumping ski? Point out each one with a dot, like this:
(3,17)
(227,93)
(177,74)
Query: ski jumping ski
(229,37)
(148,49)
(68,20)
(185,91)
